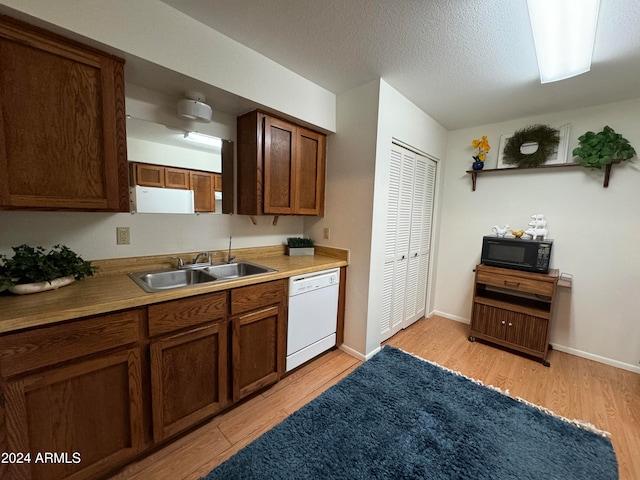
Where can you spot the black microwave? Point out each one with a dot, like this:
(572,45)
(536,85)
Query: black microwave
(517,253)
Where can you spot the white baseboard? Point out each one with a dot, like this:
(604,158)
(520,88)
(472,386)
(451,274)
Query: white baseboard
(451,317)
(596,358)
(560,348)
(356,354)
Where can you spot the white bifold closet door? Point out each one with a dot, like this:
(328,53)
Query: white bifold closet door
(407,239)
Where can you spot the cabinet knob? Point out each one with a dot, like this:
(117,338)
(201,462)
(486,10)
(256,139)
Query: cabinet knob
(510,324)
(503,322)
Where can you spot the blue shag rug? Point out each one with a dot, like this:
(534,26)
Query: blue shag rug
(400,417)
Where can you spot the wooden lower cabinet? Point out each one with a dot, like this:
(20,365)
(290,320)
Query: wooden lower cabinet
(188,378)
(188,361)
(258,338)
(94,393)
(514,309)
(80,418)
(255,351)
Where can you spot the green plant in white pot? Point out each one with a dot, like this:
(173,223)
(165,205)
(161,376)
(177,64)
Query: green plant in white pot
(596,150)
(33,269)
(300,246)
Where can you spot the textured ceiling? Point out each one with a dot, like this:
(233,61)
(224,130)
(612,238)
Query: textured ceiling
(464,62)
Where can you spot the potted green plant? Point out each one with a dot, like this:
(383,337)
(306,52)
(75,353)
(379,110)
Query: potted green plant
(33,269)
(300,246)
(596,150)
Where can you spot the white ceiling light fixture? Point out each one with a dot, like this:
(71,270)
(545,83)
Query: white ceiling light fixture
(194,108)
(203,139)
(564,33)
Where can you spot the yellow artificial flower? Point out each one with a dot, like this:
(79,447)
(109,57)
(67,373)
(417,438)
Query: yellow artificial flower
(482,144)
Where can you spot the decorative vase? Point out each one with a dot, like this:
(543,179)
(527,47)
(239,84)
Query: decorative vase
(477,165)
(25,288)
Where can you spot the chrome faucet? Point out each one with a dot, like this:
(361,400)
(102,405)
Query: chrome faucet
(180,262)
(229,256)
(200,256)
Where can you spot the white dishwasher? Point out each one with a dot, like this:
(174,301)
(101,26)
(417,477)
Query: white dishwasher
(313,315)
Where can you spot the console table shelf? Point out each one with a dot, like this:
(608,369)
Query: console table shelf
(475,173)
(514,309)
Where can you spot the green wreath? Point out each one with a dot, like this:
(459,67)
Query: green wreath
(546,137)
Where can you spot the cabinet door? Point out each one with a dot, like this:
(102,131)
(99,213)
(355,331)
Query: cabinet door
(489,321)
(309,181)
(62,128)
(527,331)
(188,378)
(203,192)
(257,349)
(279,166)
(176,178)
(149,175)
(89,412)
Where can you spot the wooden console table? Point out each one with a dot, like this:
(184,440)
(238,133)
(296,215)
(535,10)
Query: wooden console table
(514,309)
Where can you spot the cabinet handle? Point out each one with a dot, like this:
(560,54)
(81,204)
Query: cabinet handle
(503,322)
(510,324)
(512,284)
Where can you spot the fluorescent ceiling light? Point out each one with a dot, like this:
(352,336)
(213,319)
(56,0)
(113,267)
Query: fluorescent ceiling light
(203,139)
(564,33)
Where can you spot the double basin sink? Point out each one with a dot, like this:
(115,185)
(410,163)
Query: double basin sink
(160,280)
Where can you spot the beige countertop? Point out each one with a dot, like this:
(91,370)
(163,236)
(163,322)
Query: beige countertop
(116,291)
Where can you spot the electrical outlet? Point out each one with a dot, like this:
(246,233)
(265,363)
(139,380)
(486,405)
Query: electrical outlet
(327,232)
(123,236)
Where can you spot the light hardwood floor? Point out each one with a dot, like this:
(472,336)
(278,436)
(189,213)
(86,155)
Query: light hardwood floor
(573,387)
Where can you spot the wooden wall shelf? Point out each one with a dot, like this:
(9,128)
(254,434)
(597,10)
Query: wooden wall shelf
(475,173)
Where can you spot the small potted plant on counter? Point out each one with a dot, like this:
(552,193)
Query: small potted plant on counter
(300,246)
(33,269)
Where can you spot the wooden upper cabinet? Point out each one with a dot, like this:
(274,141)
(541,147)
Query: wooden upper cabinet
(217,182)
(310,172)
(176,178)
(62,123)
(148,175)
(281,167)
(202,184)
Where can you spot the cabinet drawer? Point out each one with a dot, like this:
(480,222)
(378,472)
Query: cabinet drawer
(249,298)
(177,314)
(25,351)
(516,282)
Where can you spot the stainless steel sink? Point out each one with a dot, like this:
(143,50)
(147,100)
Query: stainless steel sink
(166,279)
(159,280)
(237,270)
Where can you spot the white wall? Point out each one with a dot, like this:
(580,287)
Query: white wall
(595,232)
(93,235)
(156,32)
(151,30)
(351,157)
(369,118)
